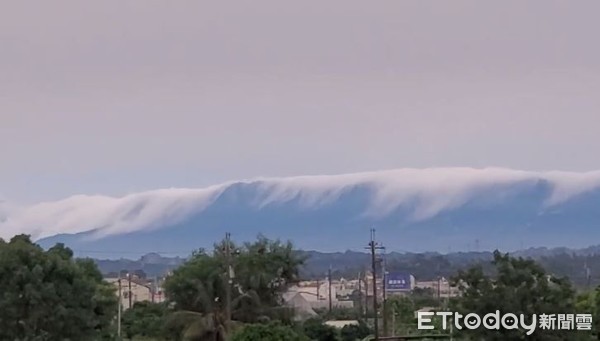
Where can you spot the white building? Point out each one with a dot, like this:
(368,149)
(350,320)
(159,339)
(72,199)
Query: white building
(316,294)
(441,288)
(139,290)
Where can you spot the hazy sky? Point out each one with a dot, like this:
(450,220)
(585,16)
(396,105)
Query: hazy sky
(119,96)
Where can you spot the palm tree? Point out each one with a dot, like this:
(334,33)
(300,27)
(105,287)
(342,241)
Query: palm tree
(263,270)
(211,323)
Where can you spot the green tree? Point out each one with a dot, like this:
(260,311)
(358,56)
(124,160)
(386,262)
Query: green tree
(261,271)
(267,332)
(339,313)
(353,332)
(424,297)
(47,295)
(595,310)
(401,314)
(198,289)
(588,302)
(316,330)
(520,286)
(144,320)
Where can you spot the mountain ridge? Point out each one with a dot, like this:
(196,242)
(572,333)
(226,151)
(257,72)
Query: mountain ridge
(413,209)
(582,266)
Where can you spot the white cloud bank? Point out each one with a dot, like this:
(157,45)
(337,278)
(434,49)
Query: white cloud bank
(427,192)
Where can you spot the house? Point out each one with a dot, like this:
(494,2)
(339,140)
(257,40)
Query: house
(316,293)
(301,306)
(441,288)
(135,289)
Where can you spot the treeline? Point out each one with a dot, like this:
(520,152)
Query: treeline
(234,292)
(581,266)
(583,269)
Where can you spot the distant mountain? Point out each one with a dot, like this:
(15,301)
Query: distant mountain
(151,265)
(582,266)
(439,209)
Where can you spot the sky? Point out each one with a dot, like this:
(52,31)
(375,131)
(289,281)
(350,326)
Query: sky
(114,97)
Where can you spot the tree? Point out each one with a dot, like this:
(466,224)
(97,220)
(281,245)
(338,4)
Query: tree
(595,310)
(424,297)
(47,295)
(197,289)
(401,311)
(266,266)
(520,286)
(588,302)
(267,332)
(316,330)
(144,319)
(353,332)
(338,313)
(262,271)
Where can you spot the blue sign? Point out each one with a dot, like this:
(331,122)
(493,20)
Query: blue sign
(397,281)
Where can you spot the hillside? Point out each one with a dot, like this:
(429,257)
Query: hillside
(438,209)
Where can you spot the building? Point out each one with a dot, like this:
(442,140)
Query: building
(339,324)
(301,306)
(441,288)
(316,294)
(136,290)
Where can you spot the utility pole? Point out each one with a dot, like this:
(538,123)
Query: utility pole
(330,298)
(153,289)
(394,322)
(229,279)
(374,246)
(588,274)
(438,294)
(360,296)
(318,289)
(384,278)
(119,308)
(130,298)
(366,295)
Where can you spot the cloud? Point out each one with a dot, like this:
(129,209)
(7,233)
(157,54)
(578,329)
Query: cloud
(568,184)
(107,215)
(425,193)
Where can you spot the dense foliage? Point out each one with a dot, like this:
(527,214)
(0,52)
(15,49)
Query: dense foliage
(260,272)
(144,320)
(518,286)
(267,332)
(429,266)
(355,332)
(47,295)
(317,330)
